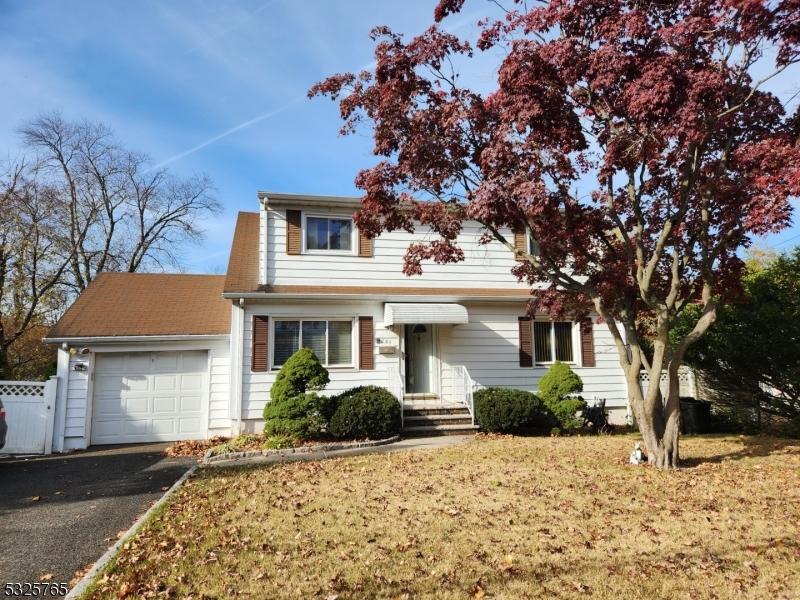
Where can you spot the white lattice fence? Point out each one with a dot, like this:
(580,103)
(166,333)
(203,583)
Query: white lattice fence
(686,382)
(30,406)
(21,388)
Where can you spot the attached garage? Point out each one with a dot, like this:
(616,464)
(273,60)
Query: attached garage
(142,358)
(149,397)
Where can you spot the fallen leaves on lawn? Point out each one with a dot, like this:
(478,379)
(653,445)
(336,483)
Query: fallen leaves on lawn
(194,447)
(46,577)
(522,517)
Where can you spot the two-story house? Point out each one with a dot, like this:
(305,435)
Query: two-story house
(162,357)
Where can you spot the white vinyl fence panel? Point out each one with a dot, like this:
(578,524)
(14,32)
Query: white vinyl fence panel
(30,407)
(686,382)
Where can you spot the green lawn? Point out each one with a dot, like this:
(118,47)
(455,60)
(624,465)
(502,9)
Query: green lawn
(500,517)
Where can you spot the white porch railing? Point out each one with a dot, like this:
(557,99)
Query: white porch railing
(30,409)
(396,387)
(462,388)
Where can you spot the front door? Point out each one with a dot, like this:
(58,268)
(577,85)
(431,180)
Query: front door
(419,358)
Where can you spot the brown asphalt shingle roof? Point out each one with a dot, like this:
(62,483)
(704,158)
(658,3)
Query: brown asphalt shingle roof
(243,264)
(133,304)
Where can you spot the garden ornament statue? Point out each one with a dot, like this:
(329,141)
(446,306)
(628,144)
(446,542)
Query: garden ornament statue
(637,456)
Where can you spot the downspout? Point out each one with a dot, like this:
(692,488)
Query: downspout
(239,366)
(61,397)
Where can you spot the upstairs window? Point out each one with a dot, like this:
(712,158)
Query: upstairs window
(331,341)
(552,341)
(329,234)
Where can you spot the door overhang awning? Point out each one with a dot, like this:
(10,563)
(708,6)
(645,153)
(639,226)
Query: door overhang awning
(443,314)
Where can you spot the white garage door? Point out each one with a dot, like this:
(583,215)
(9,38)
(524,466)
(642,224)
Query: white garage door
(149,397)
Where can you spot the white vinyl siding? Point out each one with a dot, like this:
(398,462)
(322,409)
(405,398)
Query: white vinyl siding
(484,266)
(219,388)
(487,346)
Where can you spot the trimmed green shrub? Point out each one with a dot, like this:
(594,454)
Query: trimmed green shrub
(364,412)
(500,410)
(293,409)
(296,417)
(556,389)
(300,374)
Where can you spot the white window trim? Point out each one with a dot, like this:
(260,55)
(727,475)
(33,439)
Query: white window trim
(353,235)
(353,339)
(529,246)
(574,331)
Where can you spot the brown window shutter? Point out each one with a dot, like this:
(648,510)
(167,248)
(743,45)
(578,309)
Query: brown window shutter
(366,351)
(259,360)
(520,243)
(293,229)
(587,344)
(525,344)
(364,246)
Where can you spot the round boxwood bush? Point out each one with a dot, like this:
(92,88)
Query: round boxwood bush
(557,389)
(503,410)
(292,411)
(364,412)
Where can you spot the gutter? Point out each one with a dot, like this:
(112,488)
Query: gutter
(111,339)
(382,297)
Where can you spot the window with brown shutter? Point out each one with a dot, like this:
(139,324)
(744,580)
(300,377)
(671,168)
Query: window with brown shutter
(364,246)
(587,344)
(294,227)
(260,344)
(525,345)
(520,243)
(366,352)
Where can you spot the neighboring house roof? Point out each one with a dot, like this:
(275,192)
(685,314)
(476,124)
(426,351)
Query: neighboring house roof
(243,264)
(154,304)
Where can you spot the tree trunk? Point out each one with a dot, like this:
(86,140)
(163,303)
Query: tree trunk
(6,373)
(658,421)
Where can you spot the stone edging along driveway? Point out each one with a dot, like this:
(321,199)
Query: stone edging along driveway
(301,454)
(87,579)
(92,574)
(209,459)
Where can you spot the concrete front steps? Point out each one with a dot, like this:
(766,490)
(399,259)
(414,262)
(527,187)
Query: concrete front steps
(425,419)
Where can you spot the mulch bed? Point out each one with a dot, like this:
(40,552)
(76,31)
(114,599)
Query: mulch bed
(198,448)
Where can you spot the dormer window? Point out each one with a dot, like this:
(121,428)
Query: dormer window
(320,233)
(333,234)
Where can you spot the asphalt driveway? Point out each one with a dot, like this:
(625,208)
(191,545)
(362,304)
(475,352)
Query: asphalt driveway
(85,500)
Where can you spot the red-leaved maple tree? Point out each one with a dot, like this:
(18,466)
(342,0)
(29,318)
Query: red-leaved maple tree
(650,109)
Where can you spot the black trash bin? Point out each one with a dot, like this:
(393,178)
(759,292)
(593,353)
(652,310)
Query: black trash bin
(695,416)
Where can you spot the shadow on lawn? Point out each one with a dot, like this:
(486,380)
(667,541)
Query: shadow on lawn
(749,447)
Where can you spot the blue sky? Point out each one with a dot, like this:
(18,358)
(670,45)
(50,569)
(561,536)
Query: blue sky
(216,87)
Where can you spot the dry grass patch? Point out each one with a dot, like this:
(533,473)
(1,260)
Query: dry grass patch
(501,518)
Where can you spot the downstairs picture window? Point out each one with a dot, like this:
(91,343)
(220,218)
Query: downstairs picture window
(331,341)
(552,341)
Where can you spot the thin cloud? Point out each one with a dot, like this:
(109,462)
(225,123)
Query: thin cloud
(231,28)
(370,66)
(224,134)
(465,21)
